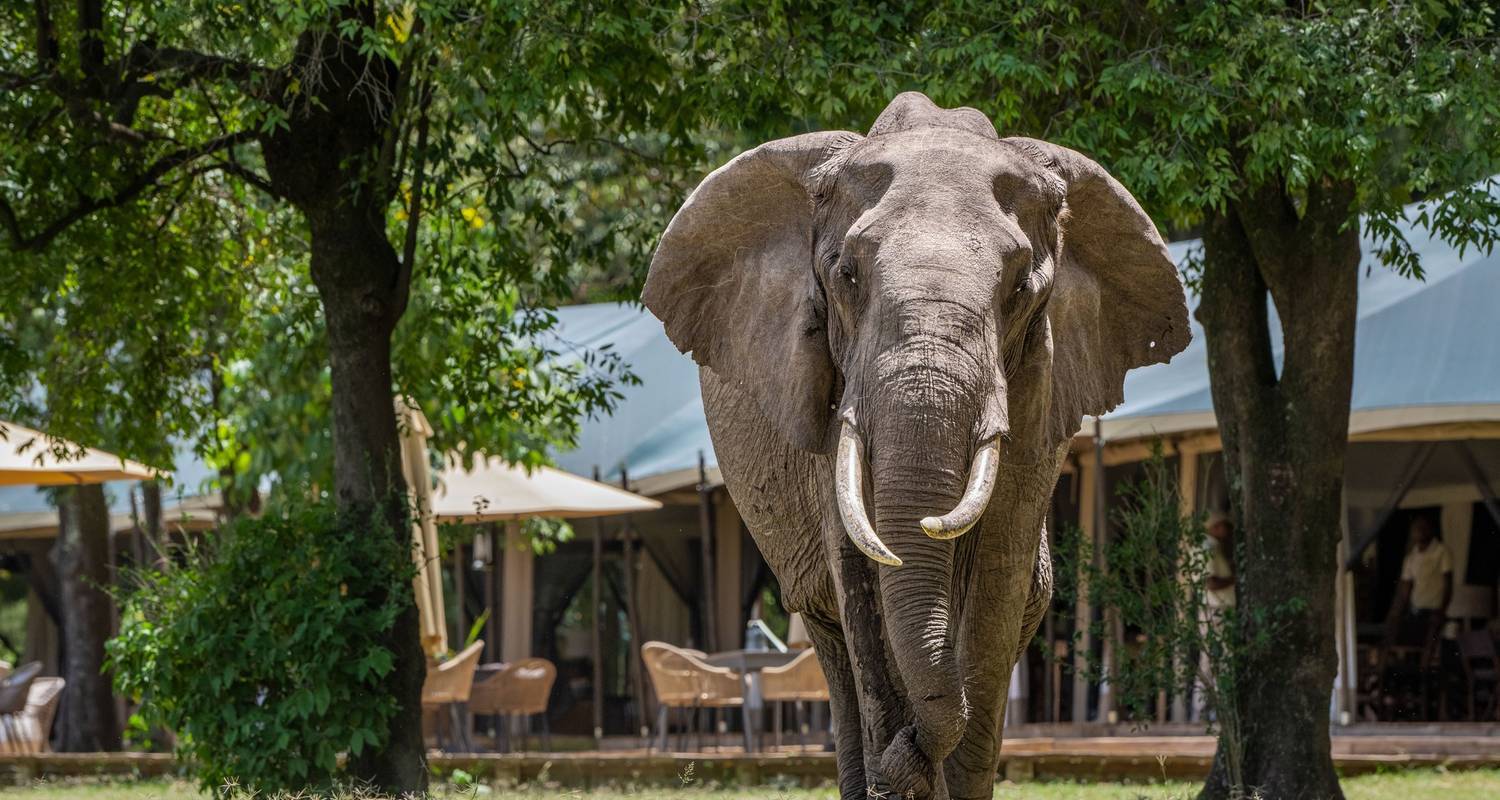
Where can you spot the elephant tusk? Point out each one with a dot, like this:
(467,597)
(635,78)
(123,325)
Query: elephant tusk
(982,472)
(849,482)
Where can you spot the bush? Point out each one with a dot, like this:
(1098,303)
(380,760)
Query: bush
(265,651)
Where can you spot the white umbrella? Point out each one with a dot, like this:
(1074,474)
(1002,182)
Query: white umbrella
(32,458)
(493,490)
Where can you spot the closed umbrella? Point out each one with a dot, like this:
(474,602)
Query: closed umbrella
(428,584)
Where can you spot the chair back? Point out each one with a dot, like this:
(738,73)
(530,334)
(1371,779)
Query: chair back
(519,688)
(16,686)
(801,679)
(673,678)
(681,678)
(451,681)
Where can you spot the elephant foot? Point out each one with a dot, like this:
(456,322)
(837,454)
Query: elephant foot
(910,773)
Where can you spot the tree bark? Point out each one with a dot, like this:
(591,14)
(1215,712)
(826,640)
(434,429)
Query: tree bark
(86,717)
(1284,438)
(327,163)
(367,465)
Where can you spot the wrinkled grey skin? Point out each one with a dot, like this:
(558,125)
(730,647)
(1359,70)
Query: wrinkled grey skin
(936,286)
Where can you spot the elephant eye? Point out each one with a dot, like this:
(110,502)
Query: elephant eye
(841,265)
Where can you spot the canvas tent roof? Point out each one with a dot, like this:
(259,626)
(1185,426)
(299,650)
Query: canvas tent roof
(1427,352)
(196,513)
(657,430)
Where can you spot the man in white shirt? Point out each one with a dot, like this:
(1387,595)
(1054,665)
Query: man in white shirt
(1426,587)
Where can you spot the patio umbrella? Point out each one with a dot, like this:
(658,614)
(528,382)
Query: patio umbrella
(493,491)
(32,458)
(429,581)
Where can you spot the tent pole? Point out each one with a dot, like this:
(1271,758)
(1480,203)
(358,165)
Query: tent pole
(706,542)
(458,595)
(1481,482)
(1348,672)
(1112,629)
(492,590)
(598,648)
(633,618)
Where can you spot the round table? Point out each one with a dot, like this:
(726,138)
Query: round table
(749,663)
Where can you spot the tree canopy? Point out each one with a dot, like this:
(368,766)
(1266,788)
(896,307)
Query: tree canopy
(161,285)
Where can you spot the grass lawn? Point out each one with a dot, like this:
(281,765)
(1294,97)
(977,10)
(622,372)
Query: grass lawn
(1407,785)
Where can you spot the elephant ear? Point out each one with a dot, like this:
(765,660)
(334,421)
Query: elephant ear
(733,282)
(1117,301)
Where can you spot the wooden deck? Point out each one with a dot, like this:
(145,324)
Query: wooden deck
(1092,758)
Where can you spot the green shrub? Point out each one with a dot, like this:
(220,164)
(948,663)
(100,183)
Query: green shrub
(265,651)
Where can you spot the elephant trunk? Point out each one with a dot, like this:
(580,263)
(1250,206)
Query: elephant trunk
(924,462)
(918,615)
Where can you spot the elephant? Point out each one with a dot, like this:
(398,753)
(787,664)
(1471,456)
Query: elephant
(913,322)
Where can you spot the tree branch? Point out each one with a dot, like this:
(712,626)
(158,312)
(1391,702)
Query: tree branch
(248,175)
(146,58)
(414,216)
(46,35)
(389,167)
(91,43)
(132,189)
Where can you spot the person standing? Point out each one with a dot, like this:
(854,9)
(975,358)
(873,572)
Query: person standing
(1426,588)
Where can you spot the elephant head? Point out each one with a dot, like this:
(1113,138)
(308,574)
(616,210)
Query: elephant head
(922,302)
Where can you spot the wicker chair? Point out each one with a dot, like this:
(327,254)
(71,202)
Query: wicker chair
(449,684)
(799,681)
(683,680)
(518,689)
(15,690)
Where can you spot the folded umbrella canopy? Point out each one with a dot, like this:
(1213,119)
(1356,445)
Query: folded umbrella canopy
(32,458)
(428,584)
(493,491)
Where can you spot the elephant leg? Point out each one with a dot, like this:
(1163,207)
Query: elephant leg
(833,655)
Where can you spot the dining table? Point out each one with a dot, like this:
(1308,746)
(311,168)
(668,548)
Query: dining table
(749,663)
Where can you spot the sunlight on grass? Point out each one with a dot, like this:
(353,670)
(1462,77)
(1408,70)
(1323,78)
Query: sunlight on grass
(1476,785)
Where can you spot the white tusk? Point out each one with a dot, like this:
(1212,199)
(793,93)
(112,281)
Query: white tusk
(970,508)
(849,483)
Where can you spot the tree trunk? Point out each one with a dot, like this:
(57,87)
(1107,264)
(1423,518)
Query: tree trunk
(86,717)
(355,269)
(155,531)
(328,163)
(1284,442)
